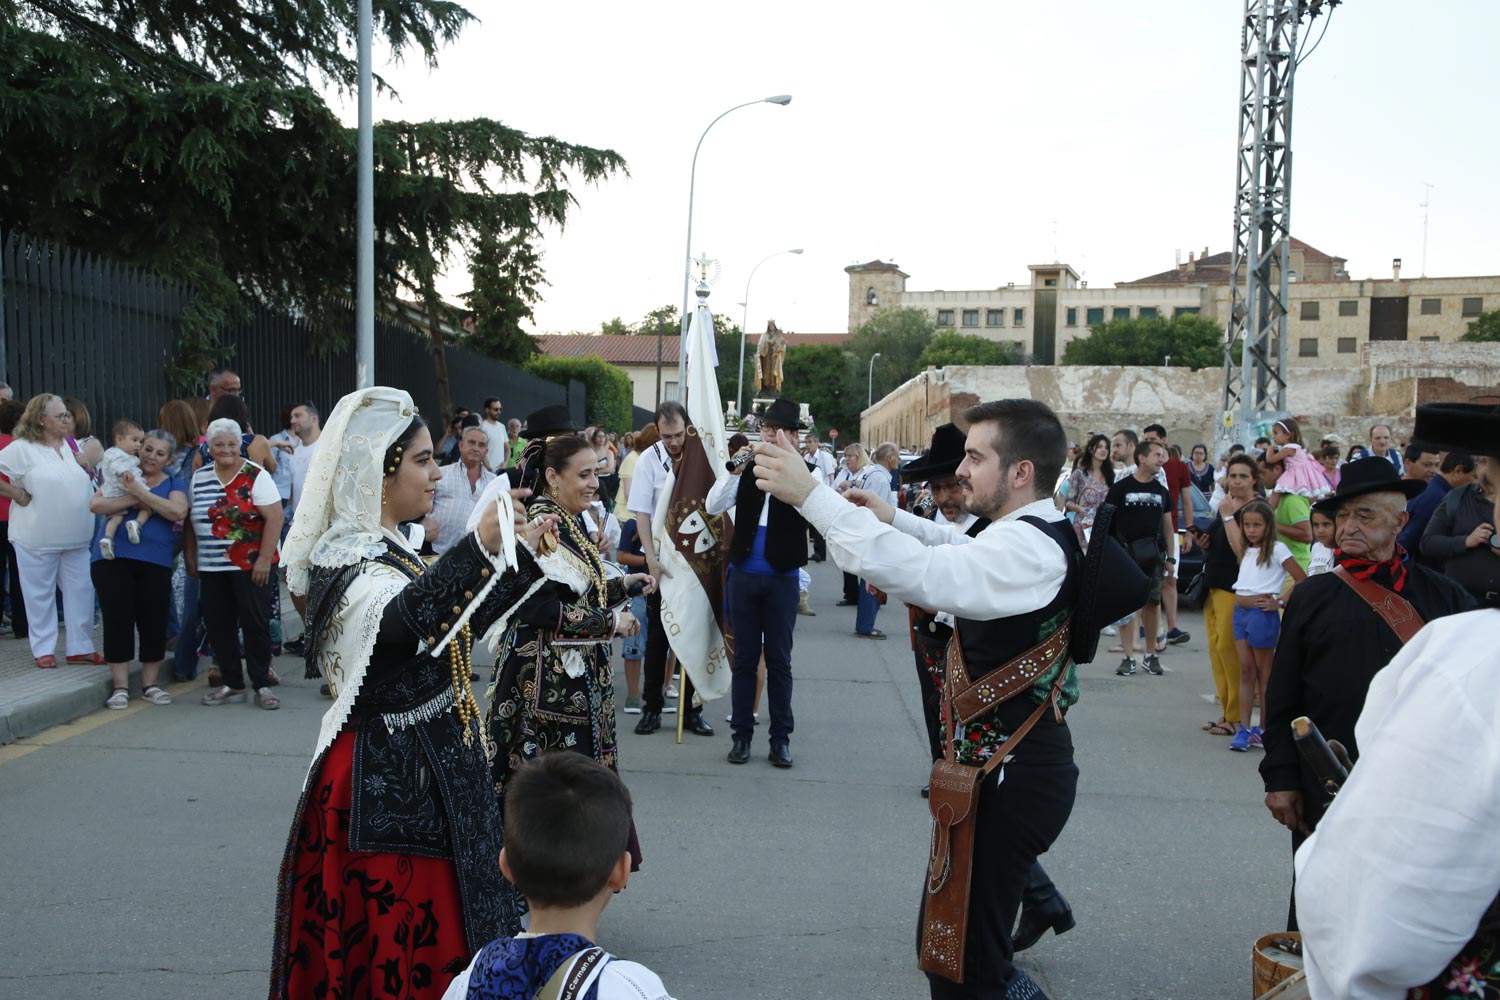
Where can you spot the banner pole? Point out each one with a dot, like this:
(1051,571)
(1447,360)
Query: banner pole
(681,700)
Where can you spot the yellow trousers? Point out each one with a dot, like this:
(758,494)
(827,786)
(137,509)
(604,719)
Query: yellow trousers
(1218,618)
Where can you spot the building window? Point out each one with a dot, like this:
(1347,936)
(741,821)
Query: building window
(994,317)
(1018,317)
(1432,307)
(971,317)
(945,317)
(1094,317)
(1018,347)
(1307,347)
(1147,312)
(1348,345)
(871,298)
(1049,283)
(1473,307)
(1185,311)
(1432,340)
(1349,307)
(1072,317)
(1309,310)
(1121,312)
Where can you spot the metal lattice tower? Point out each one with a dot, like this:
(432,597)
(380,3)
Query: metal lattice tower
(1254,382)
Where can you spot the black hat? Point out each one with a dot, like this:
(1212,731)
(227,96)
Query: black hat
(1470,427)
(782,413)
(943,457)
(549,420)
(1365,476)
(1110,587)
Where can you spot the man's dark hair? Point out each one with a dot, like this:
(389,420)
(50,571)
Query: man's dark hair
(1247,460)
(1457,461)
(1415,451)
(567,821)
(488,400)
(468,420)
(1130,436)
(670,409)
(10,414)
(1262,442)
(1143,448)
(1027,431)
(309,406)
(1156,429)
(1236,449)
(231,408)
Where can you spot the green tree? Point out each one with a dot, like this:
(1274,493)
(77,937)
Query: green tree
(186,136)
(1187,340)
(899,336)
(608,388)
(953,348)
(614,327)
(820,375)
(1484,330)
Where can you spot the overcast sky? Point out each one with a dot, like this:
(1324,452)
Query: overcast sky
(966,140)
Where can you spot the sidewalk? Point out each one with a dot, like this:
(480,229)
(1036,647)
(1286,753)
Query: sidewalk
(32,700)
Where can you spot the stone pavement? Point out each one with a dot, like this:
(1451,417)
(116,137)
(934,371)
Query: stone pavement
(32,700)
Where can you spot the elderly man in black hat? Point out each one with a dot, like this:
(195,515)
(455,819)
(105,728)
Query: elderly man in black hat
(1340,629)
(769,546)
(1399,888)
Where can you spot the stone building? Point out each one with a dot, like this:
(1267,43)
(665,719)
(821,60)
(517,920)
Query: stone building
(1331,315)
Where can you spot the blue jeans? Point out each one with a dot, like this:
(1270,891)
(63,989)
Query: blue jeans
(763,611)
(633,647)
(190,639)
(864,615)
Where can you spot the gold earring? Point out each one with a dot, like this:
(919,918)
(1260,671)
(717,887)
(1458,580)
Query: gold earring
(383,484)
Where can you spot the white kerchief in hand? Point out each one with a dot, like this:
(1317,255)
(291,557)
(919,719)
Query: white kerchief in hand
(498,493)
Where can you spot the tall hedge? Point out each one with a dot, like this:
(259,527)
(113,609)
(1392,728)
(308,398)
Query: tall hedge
(609,390)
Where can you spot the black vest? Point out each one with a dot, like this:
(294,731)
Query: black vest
(786,532)
(996,641)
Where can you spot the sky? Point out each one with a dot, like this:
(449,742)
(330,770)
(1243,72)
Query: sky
(964,141)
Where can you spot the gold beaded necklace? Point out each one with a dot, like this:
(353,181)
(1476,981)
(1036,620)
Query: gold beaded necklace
(586,550)
(460,665)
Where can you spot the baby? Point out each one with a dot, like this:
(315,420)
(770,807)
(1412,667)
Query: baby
(122,458)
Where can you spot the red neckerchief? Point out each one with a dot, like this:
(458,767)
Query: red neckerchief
(1365,569)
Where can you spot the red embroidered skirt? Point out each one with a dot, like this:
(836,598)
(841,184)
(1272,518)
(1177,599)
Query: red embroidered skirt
(361,924)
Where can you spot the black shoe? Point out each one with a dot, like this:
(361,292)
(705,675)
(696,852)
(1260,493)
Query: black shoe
(1055,914)
(739,752)
(926,791)
(1126,667)
(650,723)
(1152,663)
(297,647)
(694,723)
(781,755)
(846,603)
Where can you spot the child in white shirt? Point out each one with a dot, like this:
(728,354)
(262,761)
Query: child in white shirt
(123,458)
(1265,563)
(1320,556)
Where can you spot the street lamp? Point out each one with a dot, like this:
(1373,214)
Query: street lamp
(870,382)
(781,99)
(739,385)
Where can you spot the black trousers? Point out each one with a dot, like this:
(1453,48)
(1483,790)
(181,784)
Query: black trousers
(763,609)
(851,588)
(134,598)
(927,650)
(1017,820)
(657,648)
(819,545)
(11,572)
(232,605)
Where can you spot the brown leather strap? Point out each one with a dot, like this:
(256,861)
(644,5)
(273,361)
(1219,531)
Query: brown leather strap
(972,699)
(1393,609)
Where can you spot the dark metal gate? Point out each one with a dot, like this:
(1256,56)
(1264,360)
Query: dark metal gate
(1388,318)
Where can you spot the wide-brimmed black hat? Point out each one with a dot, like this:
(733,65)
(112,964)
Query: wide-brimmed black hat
(1365,476)
(1470,427)
(943,457)
(549,420)
(1110,587)
(782,413)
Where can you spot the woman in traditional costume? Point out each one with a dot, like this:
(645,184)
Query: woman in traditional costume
(555,689)
(390,882)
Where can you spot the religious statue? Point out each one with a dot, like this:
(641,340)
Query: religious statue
(768,358)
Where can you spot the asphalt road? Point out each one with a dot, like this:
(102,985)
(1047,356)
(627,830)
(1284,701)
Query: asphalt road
(138,850)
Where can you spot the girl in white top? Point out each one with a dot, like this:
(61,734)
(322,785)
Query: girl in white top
(1320,557)
(51,528)
(1265,563)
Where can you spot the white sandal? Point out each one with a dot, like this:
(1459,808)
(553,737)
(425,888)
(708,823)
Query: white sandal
(223,696)
(118,700)
(156,696)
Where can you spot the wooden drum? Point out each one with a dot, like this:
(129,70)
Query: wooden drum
(1276,958)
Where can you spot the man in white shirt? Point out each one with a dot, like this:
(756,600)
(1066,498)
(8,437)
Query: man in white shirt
(1008,589)
(1380,446)
(812,449)
(646,485)
(497,457)
(1399,887)
(458,491)
(306,425)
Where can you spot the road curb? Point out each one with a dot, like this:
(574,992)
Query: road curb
(29,716)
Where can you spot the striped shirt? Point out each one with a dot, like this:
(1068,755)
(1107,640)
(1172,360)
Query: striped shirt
(226,524)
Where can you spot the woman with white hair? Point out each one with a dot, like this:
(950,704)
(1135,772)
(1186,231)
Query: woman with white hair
(236,507)
(389,875)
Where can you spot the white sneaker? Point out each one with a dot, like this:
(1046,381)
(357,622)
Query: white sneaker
(133,529)
(672,691)
(1111,630)
(106,547)
(669,709)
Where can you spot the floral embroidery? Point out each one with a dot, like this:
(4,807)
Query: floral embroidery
(235,517)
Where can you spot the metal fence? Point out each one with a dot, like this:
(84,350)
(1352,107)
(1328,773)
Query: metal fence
(75,325)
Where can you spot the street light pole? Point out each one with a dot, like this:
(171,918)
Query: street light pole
(364,300)
(870,382)
(739,385)
(781,99)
